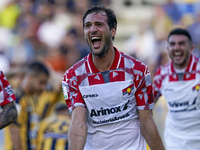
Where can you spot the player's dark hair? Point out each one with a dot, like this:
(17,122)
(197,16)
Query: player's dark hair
(112,21)
(179,31)
(38,68)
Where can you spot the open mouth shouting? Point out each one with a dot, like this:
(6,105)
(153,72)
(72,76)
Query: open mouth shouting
(178,55)
(96,42)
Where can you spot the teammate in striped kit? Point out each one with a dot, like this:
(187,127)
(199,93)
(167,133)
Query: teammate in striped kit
(8,111)
(179,82)
(109,93)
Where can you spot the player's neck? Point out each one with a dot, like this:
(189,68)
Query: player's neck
(104,63)
(182,70)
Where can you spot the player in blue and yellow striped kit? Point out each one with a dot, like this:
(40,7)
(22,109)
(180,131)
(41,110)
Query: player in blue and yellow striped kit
(52,134)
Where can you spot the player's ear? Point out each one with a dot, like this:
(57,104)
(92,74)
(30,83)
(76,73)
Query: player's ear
(192,47)
(113,31)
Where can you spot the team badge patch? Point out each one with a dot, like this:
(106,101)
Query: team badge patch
(65,92)
(128,90)
(196,87)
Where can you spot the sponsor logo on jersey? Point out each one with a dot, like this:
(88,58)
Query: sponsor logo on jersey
(186,103)
(176,104)
(190,106)
(169,90)
(196,87)
(126,105)
(90,95)
(108,111)
(111,119)
(128,89)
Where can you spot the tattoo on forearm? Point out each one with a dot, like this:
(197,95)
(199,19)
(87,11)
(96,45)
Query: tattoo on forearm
(8,115)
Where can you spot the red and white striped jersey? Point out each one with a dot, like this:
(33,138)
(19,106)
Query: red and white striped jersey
(182,93)
(6,92)
(112,99)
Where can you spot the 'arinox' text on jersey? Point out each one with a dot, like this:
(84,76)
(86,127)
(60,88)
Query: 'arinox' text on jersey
(105,111)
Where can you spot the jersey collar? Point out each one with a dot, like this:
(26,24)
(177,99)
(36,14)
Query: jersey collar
(114,65)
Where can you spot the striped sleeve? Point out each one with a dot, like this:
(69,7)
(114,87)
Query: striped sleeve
(6,92)
(72,95)
(144,93)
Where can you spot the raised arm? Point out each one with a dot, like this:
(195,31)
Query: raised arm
(8,115)
(78,129)
(149,130)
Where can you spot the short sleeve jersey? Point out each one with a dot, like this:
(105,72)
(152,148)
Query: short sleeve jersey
(182,93)
(112,99)
(6,93)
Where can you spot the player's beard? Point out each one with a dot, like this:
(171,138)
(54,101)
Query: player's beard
(106,45)
(181,64)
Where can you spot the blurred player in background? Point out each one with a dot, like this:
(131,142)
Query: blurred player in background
(53,131)
(179,82)
(23,133)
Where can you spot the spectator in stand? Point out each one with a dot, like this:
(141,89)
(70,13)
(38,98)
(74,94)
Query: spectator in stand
(195,34)
(143,46)
(173,11)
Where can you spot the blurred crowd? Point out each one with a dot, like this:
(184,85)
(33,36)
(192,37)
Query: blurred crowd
(51,31)
(149,42)
(44,30)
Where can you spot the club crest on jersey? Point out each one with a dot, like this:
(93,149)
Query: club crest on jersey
(128,90)
(196,87)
